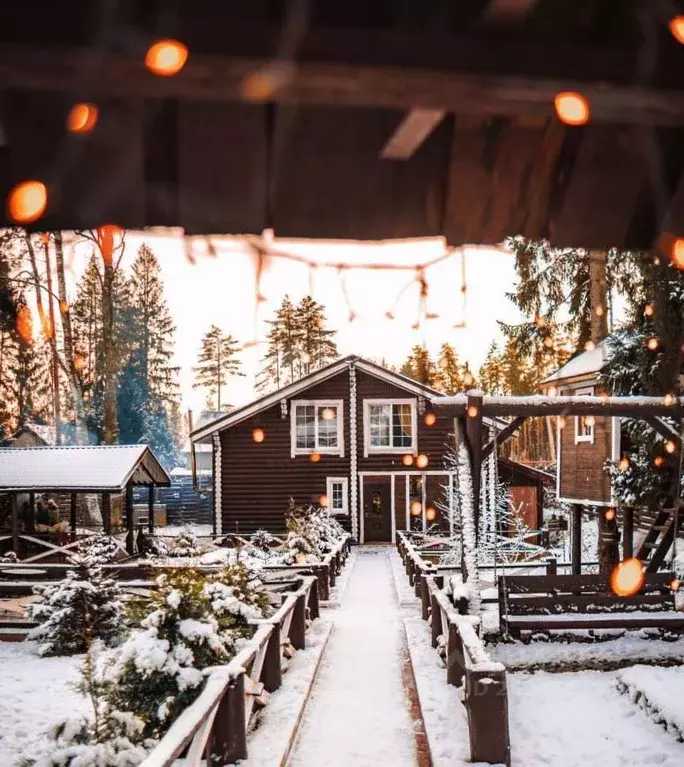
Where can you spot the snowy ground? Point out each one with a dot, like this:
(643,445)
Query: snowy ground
(36,694)
(358,713)
(658,691)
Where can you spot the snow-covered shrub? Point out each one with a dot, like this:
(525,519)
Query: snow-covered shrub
(100,549)
(185,544)
(154,546)
(85,606)
(196,621)
(312,532)
(262,539)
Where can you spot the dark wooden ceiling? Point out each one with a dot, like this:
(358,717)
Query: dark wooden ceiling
(464,90)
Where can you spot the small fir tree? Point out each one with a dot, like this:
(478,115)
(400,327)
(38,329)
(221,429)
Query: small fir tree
(217,361)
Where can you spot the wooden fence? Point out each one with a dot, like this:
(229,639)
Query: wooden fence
(215,726)
(454,635)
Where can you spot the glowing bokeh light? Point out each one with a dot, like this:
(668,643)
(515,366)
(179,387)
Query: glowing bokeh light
(677,28)
(472,411)
(624,464)
(658,461)
(25,324)
(430,419)
(610,515)
(416,508)
(166,57)
(258,435)
(572,108)
(82,118)
(678,253)
(670,446)
(27,202)
(407,460)
(627,577)
(422,461)
(315,457)
(430,513)
(327,414)
(652,344)
(323,501)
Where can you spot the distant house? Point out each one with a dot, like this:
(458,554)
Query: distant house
(354,436)
(585,443)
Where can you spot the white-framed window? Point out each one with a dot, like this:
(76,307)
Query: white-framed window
(316,426)
(337,490)
(390,426)
(584,424)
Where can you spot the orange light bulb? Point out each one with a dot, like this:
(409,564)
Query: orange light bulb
(166,57)
(473,411)
(652,344)
(572,108)
(627,577)
(416,508)
(430,513)
(422,461)
(610,515)
(407,460)
(430,419)
(670,446)
(258,435)
(678,253)
(82,118)
(624,464)
(315,457)
(27,202)
(677,28)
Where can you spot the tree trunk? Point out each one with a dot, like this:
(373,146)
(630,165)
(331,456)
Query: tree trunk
(53,341)
(598,295)
(105,238)
(68,341)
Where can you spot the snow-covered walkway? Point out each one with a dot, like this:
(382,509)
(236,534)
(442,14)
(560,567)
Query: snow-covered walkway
(358,713)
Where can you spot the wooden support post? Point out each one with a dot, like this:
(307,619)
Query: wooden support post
(552,566)
(455,662)
(474,439)
(627,532)
(15,523)
(436,627)
(424,598)
(298,624)
(30,521)
(271,675)
(417,580)
(609,541)
(331,572)
(576,558)
(72,515)
(314,604)
(228,741)
(487,706)
(130,534)
(150,509)
(107,513)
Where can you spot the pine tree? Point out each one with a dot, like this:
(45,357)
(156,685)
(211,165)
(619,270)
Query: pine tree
(315,342)
(148,386)
(420,367)
(492,376)
(451,377)
(216,363)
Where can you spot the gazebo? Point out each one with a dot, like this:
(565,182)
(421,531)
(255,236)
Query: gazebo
(104,470)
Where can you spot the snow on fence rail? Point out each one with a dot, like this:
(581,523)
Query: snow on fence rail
(215,726)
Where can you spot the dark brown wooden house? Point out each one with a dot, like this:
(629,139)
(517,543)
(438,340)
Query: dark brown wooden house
(353,435)
(585,443)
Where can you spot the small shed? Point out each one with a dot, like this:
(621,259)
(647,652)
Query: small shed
(104,470)
(585,442)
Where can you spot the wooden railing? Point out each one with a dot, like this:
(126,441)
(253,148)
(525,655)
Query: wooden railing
(215,726)
(469,666)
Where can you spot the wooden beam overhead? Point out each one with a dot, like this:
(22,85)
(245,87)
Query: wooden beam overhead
(412,131)
(226,79)
(505,434)
(506,11)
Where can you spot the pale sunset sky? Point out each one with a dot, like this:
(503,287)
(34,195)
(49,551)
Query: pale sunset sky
(221,290)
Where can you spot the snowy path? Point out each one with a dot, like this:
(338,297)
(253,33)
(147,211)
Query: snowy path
(358,712)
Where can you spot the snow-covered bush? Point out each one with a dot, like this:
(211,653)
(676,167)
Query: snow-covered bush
(262,539)
(85,606)
(311,532)
(154,546)
(185,544)
(196,621)
(100,549)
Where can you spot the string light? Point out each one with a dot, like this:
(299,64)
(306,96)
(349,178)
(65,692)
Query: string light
(668,400)
(327,414)
(670,446)
(416,508)
(624,464)
(648,310)
(590,421)
(422,461)
(627,577)
(430,419)
(27,202)
(323,501)
(658,461)
(572,108)
(472,411)
(610,515)
(315,457)
(678,253)
(258,435)
(652,344)
(675,584)
(166,57)
(430,513)
(82,118)
(656,261)
(407,460)
(677,28)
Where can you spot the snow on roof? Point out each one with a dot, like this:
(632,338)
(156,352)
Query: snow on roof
(93,467)
(46,432)
(585,364)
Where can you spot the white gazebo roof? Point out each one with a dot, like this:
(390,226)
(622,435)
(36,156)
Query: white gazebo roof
(101,468)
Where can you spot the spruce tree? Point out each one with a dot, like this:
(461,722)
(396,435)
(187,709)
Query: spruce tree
(316,345)
(451,377)
(216,362)
(420,366)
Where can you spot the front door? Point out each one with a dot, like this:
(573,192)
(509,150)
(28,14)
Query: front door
(377,509)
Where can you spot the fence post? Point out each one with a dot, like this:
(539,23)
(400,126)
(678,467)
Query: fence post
(454,655)
(271,675)
(298,624)
(228,741)
(552,566)
(425,599)
(436,627)
(417,580)
(314,607)
(331,570)
(486,700)
(320,571)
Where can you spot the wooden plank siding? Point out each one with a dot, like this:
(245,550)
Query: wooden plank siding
(582,474)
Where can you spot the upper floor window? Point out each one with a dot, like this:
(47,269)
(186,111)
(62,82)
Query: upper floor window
(390,426)
(584,424)
(316,427)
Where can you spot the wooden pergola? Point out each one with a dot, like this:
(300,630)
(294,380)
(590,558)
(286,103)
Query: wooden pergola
(103,470)
(470,409)
(362,120)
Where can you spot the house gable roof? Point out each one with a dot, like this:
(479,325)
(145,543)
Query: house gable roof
(92,468)
(585,365)
(318,376)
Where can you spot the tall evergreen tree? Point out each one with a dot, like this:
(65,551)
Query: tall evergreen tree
(148,385)
(316,346)
(420,366)
(451,376)
(216,362)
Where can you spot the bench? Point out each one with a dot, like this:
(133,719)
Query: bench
(560,602)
